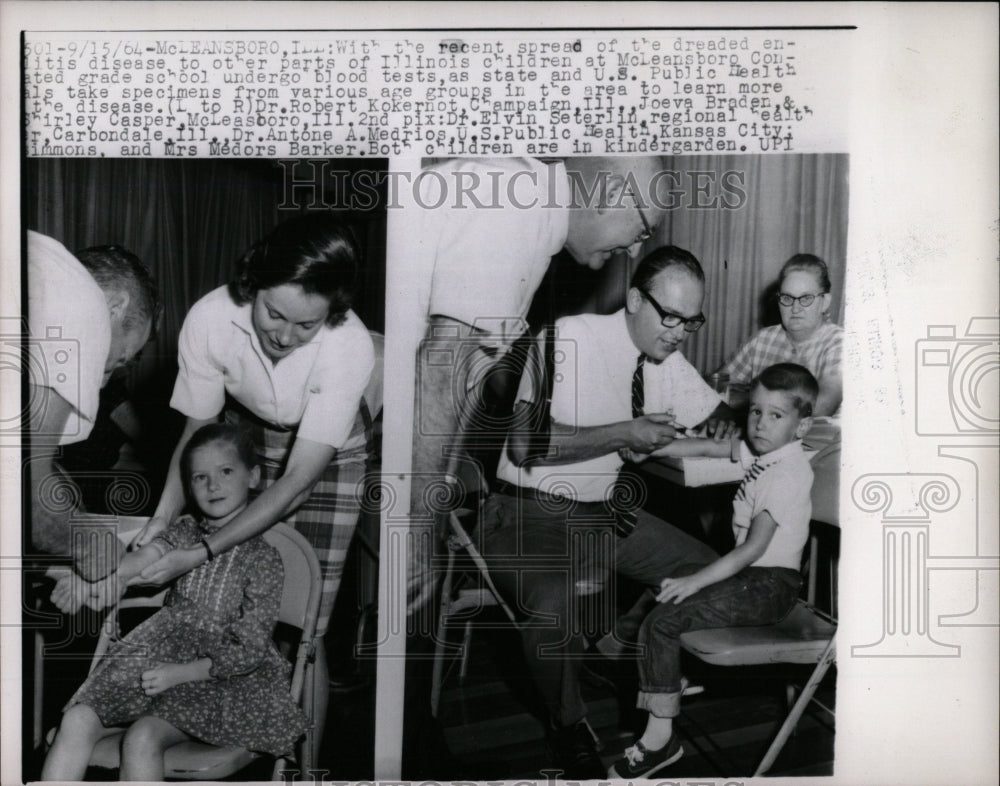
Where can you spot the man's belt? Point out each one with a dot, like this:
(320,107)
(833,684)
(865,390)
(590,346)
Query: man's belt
(625,520)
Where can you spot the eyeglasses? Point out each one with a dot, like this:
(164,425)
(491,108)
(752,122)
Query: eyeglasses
(648,230)
(803,300)
(671,320)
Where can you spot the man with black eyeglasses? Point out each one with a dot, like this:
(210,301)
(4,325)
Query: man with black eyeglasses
(557,526)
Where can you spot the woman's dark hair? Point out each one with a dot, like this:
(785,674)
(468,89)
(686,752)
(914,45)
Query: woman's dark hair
(316,251)
(810,263)
(218,432)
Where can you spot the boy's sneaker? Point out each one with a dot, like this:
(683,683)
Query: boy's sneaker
(641,763)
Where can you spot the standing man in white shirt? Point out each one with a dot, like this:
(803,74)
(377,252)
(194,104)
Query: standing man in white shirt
(88,315)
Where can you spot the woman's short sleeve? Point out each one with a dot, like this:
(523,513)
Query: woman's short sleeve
(335,388)
(200,389)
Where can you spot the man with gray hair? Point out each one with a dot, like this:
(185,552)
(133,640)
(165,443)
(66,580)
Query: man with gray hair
(88,315)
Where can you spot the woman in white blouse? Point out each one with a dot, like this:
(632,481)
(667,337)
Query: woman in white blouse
(279,352)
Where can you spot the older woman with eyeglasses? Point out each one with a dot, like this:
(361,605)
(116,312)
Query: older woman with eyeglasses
(805,335)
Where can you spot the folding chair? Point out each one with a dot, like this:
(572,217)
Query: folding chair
(806,636)
(461,602)
(299,608)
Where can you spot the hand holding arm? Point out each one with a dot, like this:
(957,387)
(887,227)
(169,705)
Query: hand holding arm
(72,591)
(644,434)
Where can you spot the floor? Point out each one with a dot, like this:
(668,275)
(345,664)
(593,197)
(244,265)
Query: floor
(724,731)
(488,729)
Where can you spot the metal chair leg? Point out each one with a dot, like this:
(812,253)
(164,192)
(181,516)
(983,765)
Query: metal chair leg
(793,717)
(437,676)
(463,667)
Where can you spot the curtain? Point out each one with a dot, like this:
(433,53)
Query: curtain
(189,221)
(794,203)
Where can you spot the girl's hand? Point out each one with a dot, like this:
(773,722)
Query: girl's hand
(678,589)
(153,527)
(162,677)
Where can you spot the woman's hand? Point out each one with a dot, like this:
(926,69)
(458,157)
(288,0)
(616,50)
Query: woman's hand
(153,527)
(678,589)
(171,565)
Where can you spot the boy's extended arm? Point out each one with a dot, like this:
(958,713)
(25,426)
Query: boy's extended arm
(700,446)
(761,531)
(709,447)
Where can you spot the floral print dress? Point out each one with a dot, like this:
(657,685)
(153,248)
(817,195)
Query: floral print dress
(226,610)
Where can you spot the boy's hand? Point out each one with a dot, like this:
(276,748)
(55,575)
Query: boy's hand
(162,677)
(678,589)
(719,430)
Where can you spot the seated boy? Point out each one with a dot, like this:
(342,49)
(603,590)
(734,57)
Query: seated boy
(756,583)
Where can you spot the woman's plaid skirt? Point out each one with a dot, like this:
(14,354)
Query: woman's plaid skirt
(328,517)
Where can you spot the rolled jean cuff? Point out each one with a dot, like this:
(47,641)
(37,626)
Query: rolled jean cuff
(660,705)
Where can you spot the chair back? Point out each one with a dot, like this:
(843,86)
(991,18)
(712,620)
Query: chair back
(826,484)
(300,595)
(302,584)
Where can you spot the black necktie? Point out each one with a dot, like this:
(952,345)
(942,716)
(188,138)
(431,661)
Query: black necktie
(626,519)
(638,388)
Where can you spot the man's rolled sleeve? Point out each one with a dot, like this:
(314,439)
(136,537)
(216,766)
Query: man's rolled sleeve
(694,399)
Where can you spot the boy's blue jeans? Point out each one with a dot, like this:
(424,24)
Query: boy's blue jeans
(754,596)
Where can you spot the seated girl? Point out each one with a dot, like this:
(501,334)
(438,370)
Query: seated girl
(756,583)
(204,666)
